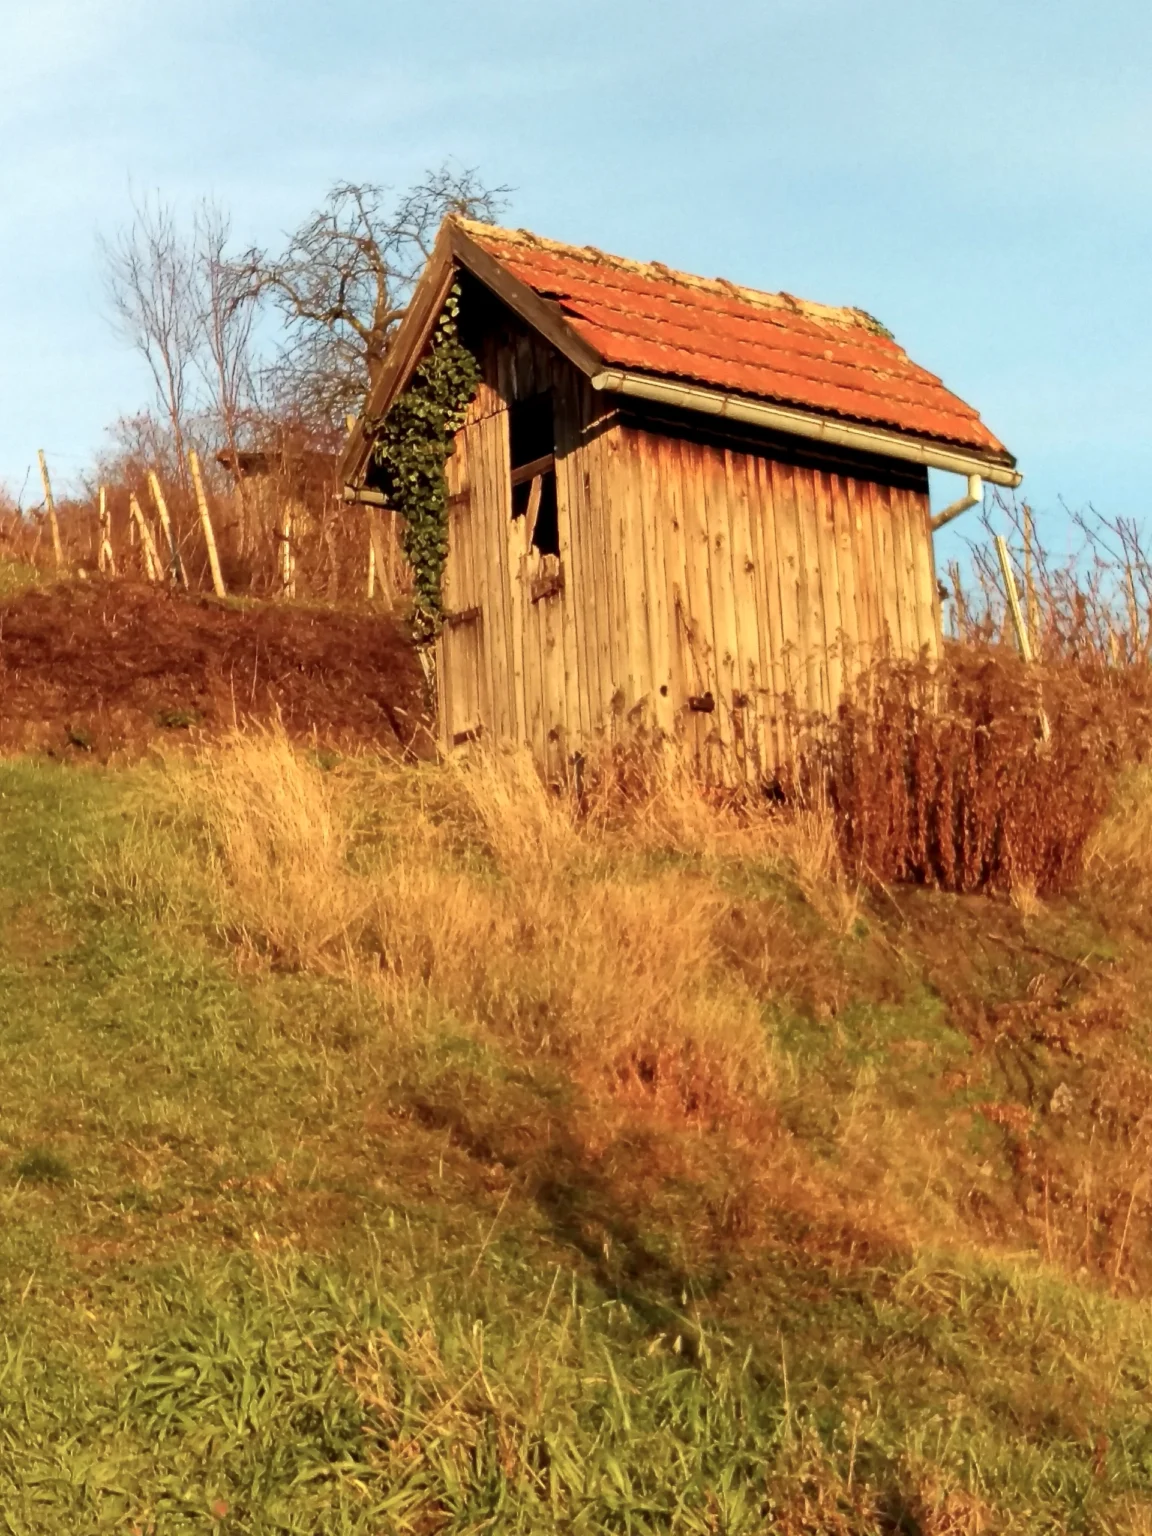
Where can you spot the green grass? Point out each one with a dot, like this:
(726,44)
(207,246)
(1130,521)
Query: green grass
(265,1267)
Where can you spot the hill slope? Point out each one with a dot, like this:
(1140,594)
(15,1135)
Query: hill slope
(383,1149)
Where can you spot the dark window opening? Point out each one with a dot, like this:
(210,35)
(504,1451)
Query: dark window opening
(532,446)
(531,432)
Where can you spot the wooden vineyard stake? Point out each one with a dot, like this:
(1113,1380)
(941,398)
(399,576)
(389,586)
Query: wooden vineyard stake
(1018,620)
(1014,609)
(151,560)
(206,524)
(378,566)
(50,504)
(105,559)
(177,565)
(287,564)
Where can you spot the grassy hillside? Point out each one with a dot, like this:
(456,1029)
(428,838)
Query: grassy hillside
(387,1150)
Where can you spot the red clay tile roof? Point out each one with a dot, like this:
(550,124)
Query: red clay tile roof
(768,346)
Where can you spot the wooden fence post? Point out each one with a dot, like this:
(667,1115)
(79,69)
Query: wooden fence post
(177,565)
(1014,609)
(287,563)
(50,504)
(379,566)
(1018,621)
(151,561)
(206,523)
(105,559)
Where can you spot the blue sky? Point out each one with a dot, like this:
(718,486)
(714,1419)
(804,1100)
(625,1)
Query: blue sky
(977,176)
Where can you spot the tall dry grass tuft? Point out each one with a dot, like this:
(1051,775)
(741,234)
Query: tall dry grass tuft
(524,824)
(549,945)
(278,842)
(1119,855)
(943,776)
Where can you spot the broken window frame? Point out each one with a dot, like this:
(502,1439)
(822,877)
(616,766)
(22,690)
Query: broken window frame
(533,480)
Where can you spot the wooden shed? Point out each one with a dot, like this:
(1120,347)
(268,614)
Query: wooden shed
(674,502)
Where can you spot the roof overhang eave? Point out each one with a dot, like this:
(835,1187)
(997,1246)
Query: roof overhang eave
(995,468)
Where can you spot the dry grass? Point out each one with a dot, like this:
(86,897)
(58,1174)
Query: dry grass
(622,1020)
(479,894)
(1119,854)
(641,949)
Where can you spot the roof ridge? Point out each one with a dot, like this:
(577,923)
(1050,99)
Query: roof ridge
(844,315)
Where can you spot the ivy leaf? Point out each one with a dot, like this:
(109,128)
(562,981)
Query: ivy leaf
(412,449)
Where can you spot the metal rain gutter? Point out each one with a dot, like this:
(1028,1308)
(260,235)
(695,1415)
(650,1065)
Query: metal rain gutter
(824,429)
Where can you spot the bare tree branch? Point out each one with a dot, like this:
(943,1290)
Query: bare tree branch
(343,282)
(150,276)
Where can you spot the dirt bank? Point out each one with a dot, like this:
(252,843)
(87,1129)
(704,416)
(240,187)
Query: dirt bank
(112,668)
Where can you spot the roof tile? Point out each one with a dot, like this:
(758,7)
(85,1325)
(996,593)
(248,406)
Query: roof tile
(767,346)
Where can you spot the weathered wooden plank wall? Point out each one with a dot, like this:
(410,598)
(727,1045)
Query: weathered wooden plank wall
(535,676)
(745,579)
(691,571)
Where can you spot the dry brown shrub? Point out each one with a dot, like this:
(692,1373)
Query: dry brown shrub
(942,776)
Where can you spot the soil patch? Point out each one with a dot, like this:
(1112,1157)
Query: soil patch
(111,668)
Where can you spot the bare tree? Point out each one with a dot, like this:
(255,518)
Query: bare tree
(343,281)
(226,300)
(150,273)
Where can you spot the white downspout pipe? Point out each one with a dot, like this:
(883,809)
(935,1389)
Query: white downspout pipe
(974,496)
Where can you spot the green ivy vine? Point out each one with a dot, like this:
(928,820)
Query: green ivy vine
(412,448)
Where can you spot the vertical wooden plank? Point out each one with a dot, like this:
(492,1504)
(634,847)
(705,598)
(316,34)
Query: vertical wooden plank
(513,555)
(896,639)
(443,695)
(670,481)
(773,679)
(537,698)
(906,571)
(746,608)
(580,600)
(924,572)
(606,502)
(702,626)
(766,586)
(720,578)
(846,577)
(487,574)
(474,712)
(829,581)
(653,519)
(867,596)
(486,597)
(450,579)
(571,563)
(492,444)
(602,677)
(812,618)
(628,564)
(556,720)
(795,651)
